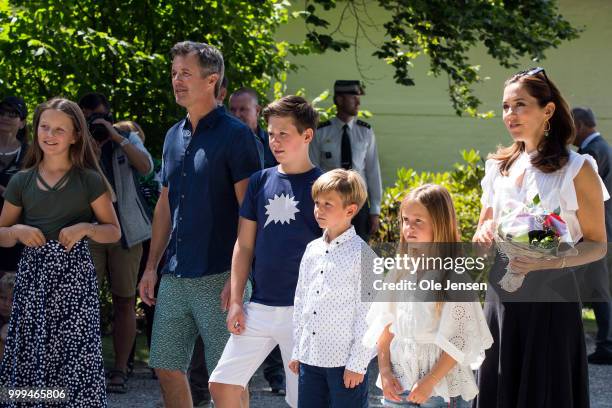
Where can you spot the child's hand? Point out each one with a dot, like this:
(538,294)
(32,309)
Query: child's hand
(236,322)
(294,366)
(391,387)
(421,390)
(28,236)
(352,379)
(69,236)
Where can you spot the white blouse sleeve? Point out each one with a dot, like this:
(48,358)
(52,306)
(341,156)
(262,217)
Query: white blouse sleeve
(463,333)
(383,311)
(568,191)
(491,173)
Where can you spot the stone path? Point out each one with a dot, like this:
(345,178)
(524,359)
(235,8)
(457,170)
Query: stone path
(144,392)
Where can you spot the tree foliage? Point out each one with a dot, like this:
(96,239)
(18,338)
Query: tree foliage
(445,31)
(463,183)
(120,47)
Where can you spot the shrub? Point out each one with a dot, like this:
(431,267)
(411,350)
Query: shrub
(463,182)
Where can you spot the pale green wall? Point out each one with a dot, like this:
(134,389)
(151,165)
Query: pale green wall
(416,126)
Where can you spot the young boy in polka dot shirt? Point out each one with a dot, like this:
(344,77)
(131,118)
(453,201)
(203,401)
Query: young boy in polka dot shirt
(329,311)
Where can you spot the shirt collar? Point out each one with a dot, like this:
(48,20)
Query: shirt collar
(589,139)
(337,122)
(207,121)
(345,236)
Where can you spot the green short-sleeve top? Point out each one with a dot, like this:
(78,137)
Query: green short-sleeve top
(53,209)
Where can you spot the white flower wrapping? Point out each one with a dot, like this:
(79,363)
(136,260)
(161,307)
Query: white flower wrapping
(529,230)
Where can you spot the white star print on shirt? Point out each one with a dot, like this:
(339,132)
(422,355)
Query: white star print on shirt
(281,209)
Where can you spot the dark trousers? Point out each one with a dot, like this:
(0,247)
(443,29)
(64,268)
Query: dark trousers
(273,369)
(324,387)
(361,221)
(603,316)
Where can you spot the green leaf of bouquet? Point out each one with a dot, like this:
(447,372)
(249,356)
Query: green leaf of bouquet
(536,199)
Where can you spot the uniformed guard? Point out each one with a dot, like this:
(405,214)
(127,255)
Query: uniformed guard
(349,143)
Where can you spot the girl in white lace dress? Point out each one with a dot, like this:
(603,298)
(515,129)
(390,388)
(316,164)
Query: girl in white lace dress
(427,349)
(538,358)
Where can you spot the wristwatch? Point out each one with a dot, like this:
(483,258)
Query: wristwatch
(124,142)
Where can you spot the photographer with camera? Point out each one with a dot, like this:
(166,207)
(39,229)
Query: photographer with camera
(123,158)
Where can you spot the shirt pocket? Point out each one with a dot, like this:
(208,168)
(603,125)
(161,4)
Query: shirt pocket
(330,154)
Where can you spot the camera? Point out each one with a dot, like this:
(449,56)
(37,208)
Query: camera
(98,131)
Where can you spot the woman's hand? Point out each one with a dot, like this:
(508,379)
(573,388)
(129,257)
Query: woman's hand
(391,386)
(421,390)
(28,236)
(69,236)
(523,264)
(485,234)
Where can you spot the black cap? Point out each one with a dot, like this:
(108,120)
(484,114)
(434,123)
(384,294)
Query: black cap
(352,87)
(18,104)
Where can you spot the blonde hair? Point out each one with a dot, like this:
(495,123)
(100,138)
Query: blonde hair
(439,204)
(347,183)
(131,126)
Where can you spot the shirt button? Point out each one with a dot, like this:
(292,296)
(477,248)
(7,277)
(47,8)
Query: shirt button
(182,195)
(184,174)
(314,312)
(179,240)
(180,218)
(313,333)
(317,292)
(321,271)
(327,252)
(188,151)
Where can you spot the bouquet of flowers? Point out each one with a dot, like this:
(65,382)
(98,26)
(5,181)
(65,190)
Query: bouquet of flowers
(529,230)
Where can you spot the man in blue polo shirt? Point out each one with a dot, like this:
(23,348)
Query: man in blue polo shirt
(207,160)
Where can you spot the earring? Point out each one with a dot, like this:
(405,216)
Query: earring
(547,128)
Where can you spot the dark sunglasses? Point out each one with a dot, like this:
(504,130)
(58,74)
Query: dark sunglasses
(533,72)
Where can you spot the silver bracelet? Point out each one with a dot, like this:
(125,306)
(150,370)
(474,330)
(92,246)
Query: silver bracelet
(124,142)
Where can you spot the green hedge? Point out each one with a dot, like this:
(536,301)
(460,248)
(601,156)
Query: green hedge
(463,182)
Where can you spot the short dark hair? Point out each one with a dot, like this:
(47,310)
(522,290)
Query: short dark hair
(246,91)
(210,58)
(303,114)
(92,100)
(584,116)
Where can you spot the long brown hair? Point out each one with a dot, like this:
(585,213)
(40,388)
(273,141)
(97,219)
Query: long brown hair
(82,153)
(552,152)
(439,204)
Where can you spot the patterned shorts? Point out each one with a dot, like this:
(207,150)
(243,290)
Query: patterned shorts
(185,308)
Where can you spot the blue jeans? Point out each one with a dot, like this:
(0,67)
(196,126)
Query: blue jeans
(433,402)
(324,387)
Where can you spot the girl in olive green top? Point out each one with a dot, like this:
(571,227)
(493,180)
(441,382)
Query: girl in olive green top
(54,331)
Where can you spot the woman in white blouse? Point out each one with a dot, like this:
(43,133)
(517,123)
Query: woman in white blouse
(538,358)
(427,348)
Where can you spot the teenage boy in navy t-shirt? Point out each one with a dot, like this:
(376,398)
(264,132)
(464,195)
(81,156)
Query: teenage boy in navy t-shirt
(276,223)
